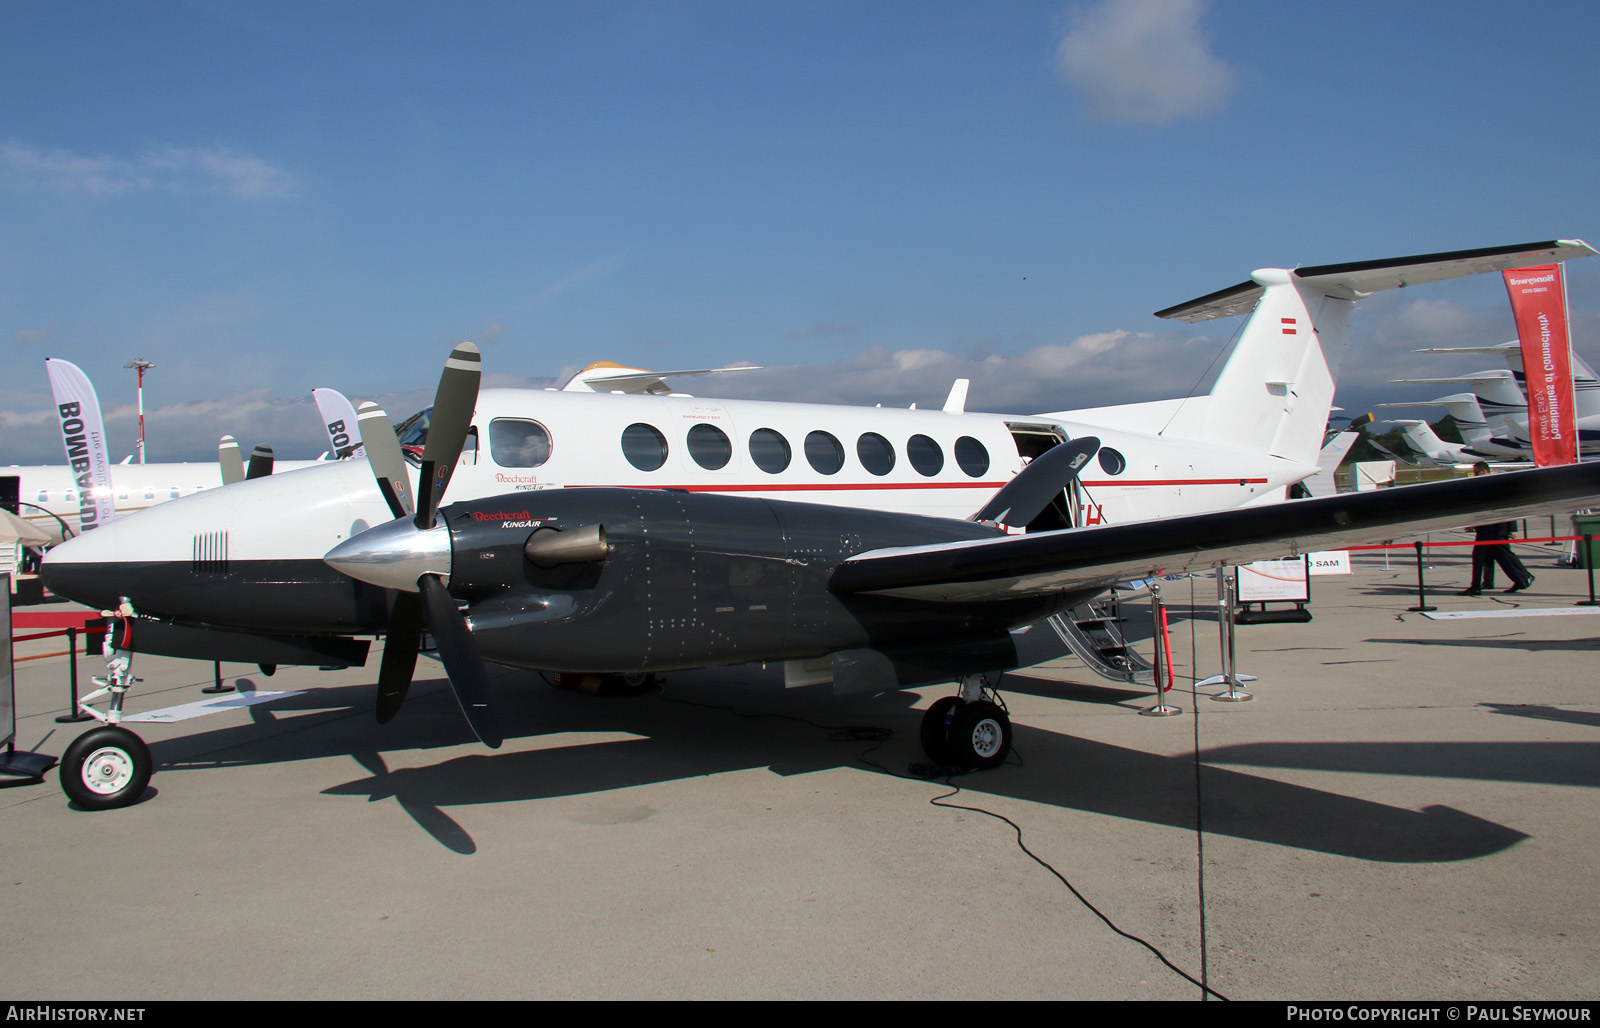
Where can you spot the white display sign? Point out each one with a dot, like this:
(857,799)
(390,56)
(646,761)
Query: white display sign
(1329,562)
(1265,581)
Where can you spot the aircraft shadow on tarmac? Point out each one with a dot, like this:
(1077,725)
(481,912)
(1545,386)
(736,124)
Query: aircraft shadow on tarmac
(671,741)
(1537,763)
(1517,642)
(1546,713)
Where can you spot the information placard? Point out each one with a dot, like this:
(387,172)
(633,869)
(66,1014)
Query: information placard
(1329,562)
(1283,581)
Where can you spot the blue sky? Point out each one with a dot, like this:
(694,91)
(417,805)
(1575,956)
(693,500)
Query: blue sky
(869,198)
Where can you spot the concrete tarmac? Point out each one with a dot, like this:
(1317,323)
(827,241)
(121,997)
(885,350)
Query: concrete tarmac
(1407,808)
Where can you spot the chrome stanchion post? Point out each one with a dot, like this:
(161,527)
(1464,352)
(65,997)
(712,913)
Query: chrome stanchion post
(1162,659)
(1234,694)
(1226,584)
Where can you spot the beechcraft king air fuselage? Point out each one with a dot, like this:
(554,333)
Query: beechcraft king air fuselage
(249,557)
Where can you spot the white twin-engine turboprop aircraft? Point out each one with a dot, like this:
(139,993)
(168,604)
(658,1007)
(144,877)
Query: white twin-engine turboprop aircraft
(619,533)
(1256,433)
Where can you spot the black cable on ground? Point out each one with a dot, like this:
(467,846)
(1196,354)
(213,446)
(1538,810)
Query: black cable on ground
(937,801)
(877,735)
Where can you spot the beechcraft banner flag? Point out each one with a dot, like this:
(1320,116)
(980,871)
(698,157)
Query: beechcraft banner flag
(1539,303)
(339,419)
(78,412)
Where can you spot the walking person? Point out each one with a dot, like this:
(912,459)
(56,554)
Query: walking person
(1497,551)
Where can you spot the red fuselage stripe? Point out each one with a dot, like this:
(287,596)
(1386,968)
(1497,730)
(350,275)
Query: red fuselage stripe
(866,486)
(1182,481)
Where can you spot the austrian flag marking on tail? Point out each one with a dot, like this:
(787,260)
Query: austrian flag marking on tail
(1289,327)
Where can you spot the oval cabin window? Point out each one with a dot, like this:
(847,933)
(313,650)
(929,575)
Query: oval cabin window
(709,447)
(875,453)
(972,457)
(644,446)
(924,455)
(769,450)
(824,453)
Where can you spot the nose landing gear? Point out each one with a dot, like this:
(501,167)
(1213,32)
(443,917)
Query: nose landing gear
(109,766)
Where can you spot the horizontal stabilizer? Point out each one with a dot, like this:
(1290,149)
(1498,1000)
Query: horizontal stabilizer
(1353,281)
(1498,349)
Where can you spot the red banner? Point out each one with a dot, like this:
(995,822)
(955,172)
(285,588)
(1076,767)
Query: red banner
(1539,303)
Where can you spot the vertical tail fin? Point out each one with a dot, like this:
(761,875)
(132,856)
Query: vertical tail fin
(1275,392)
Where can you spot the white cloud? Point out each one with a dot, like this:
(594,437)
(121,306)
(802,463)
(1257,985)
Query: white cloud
(1101,368)
(1143,61)
(1433,322)
(174,169)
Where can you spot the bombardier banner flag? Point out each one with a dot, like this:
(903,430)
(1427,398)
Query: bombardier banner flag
(339,420)
(1538,299)
(83,435)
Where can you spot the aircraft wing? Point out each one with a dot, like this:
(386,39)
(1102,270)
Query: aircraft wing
(606,377)
(1095,558)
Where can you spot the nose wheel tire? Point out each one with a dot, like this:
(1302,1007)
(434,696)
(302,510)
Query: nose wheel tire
(979,736)
(105,768)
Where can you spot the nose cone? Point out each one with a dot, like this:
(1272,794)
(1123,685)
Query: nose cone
(87,569)
(394,555)
(240,548)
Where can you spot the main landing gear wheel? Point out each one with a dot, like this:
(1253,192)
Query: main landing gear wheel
(979,736)
(105,768)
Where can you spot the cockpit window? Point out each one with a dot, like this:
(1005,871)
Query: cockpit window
(515,443)
(413,431)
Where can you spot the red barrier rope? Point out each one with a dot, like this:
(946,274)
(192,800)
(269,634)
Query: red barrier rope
(1166,648)
(38,635)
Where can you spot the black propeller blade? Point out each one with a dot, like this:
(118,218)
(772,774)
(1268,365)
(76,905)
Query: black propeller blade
(453,405)
(1036,486)
(431,604)
(260,463)
(399,655)
(469,677)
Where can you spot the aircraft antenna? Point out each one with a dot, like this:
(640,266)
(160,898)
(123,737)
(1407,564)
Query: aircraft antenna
(1239,324)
